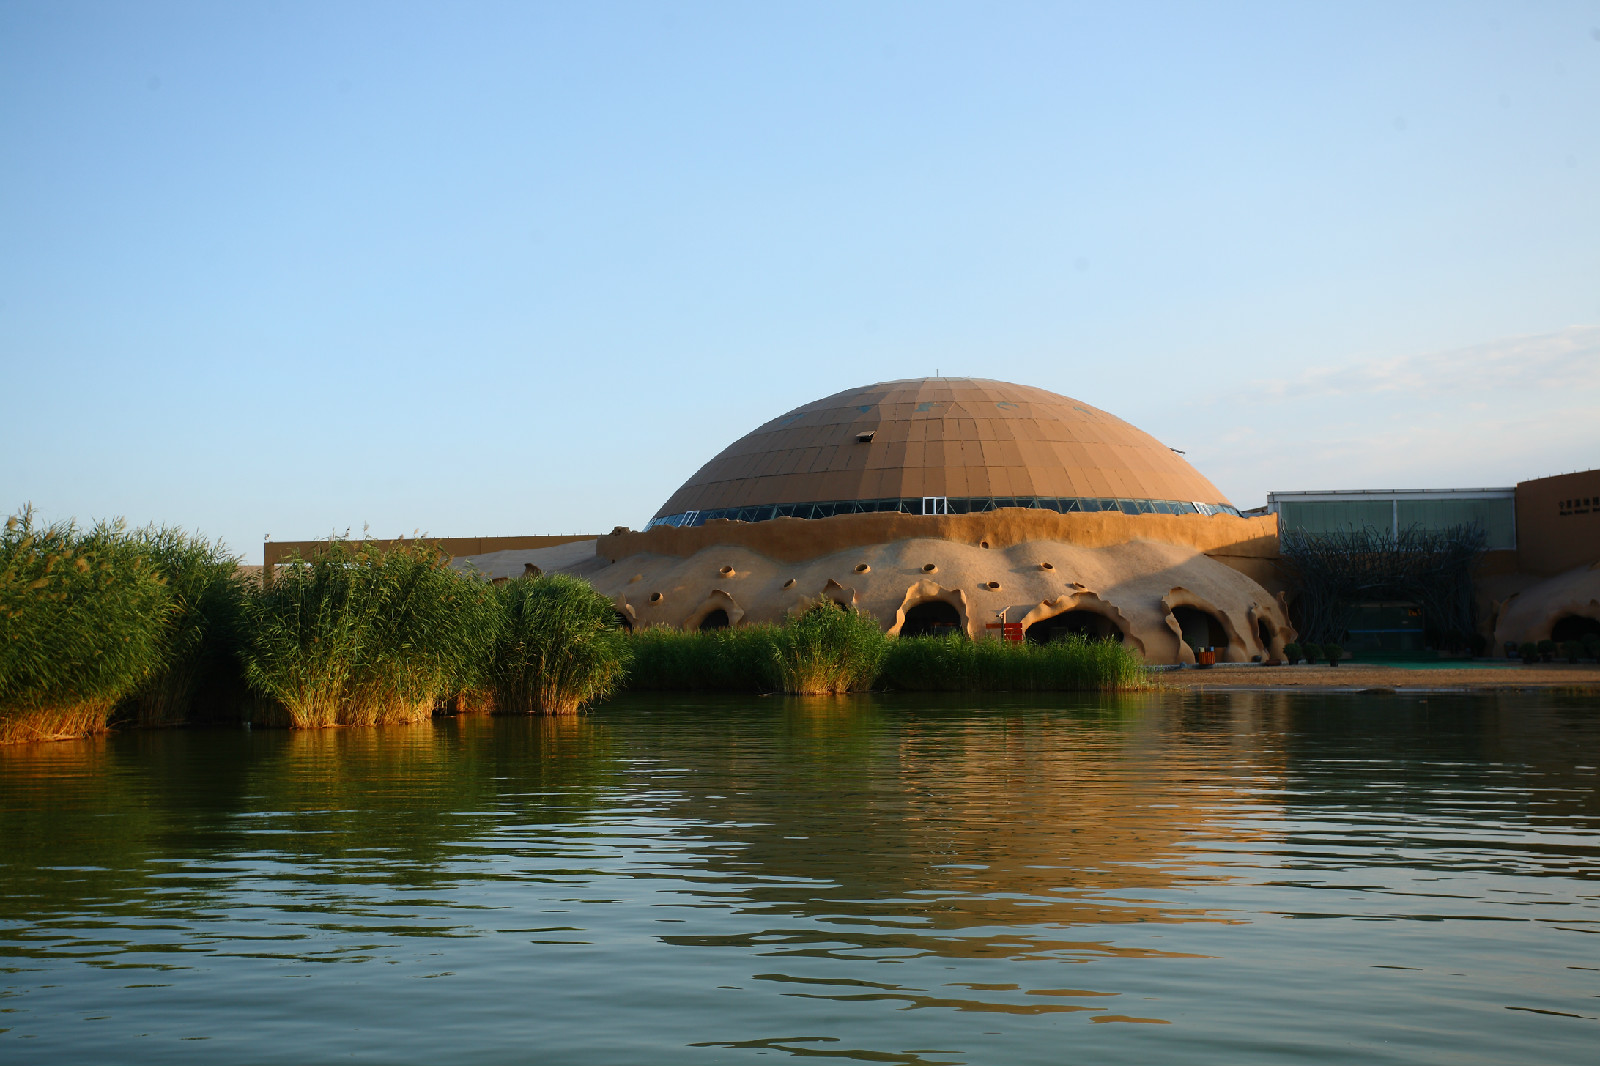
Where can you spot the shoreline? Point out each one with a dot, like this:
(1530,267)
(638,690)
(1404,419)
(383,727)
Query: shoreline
(1379,678)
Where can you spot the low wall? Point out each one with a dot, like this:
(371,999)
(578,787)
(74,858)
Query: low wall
(275,553)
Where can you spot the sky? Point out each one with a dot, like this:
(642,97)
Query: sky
(471,269)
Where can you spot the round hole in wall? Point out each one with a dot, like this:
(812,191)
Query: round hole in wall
(994,584)
(789,584)
(725,571)
(1046,566)
(655,597)
(928,568)
(862,568)
(983,544)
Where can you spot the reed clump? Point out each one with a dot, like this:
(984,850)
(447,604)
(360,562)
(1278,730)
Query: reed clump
(827,650)
(558,647)
(198,661)
(83,622)
(363,635)
(716,660)
(953,664)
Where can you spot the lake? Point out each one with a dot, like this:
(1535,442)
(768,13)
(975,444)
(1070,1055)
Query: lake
(1165,877)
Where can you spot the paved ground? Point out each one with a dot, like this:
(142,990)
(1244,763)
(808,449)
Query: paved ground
(1485,677)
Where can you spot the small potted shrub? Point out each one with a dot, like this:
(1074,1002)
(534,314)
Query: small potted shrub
(1572,650)
(1530,652)
(1334,653)
(1312,652)
(1291,653)
(1547,650)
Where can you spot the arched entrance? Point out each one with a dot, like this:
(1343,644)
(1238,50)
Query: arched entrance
(1200,627)
(1574,627)
(717,619)
(1090,624)
(931,618)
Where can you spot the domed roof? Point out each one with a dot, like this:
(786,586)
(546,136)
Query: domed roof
(960,439)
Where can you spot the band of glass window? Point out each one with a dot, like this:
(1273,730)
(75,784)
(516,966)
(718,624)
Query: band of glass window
(950,505)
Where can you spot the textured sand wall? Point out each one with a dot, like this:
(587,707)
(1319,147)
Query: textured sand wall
(1135,584)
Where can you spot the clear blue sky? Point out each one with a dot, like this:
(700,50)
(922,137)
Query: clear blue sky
(507,268)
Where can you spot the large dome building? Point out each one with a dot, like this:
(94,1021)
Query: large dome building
(956,505)
(941,505)
(941,446)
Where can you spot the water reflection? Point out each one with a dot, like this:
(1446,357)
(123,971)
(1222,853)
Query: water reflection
(935,837)
(723,878)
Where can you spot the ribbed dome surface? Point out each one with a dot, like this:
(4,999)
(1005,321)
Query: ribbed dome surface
(950,437)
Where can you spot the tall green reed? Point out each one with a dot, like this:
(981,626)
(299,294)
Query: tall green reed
(717,660)
(828,649)
(953,664)
(825,649)
(559,647)
(363,635)
(198,662)
(83,622)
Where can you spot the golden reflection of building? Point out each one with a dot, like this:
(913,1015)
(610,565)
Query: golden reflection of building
(976,835)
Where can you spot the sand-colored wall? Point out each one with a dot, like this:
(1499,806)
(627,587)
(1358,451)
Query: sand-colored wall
(1532,612)
(1136,583)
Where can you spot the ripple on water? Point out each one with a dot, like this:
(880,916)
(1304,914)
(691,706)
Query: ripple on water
(1250,876)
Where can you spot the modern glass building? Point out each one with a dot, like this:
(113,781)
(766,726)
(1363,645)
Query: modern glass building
(1390,511)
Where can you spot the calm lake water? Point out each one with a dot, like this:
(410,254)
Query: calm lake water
(1195,878)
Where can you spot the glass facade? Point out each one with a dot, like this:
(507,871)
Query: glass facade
(951,505)
(1497,518)
(1495,515)
(1332,516)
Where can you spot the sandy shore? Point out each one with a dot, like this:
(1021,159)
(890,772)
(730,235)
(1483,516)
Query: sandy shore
(1358,676)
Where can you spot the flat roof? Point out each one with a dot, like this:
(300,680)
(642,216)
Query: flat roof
(1395,494)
